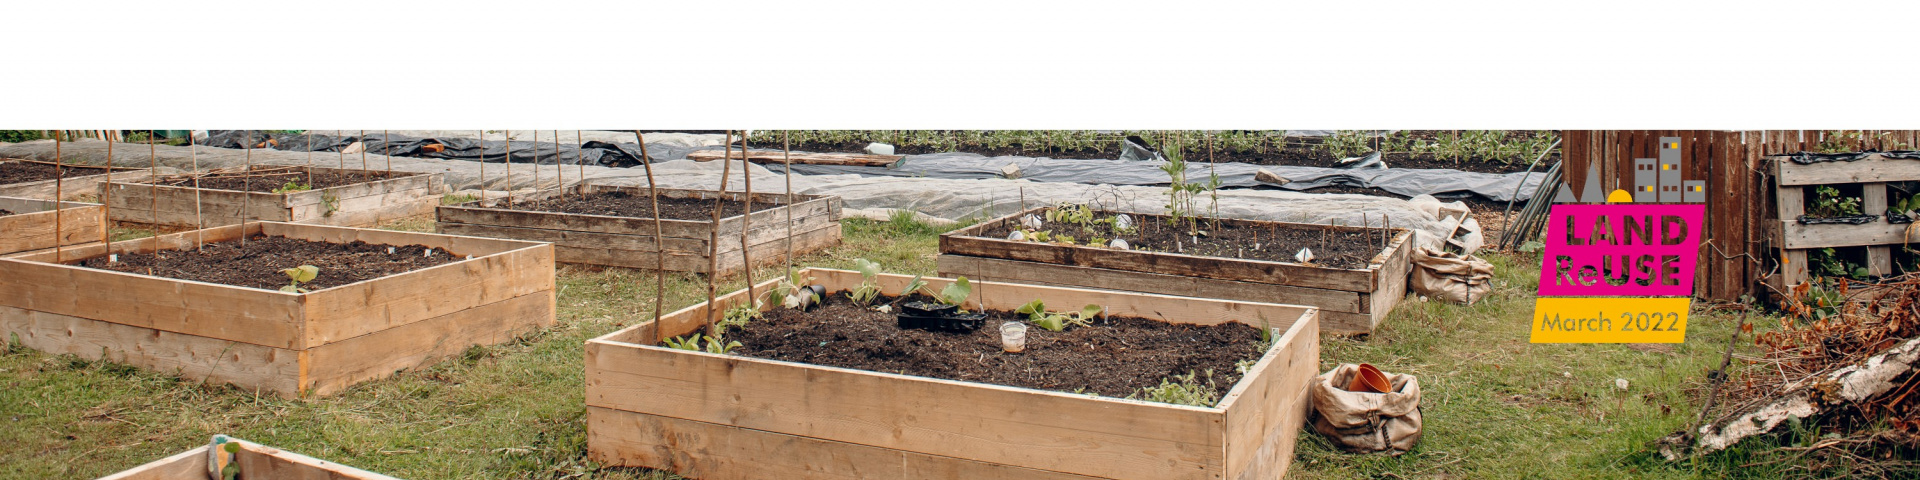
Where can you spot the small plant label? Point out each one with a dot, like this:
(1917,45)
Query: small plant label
(1620,269)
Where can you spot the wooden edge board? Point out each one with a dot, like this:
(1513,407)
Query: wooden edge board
(1874,168)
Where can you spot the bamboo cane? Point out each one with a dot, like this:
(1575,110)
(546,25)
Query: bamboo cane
(713,237)
(746,219)
(59,172)
(660,265)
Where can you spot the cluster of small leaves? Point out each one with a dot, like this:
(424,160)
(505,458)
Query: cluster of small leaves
(1827,262)
(1187,389)
(869,287)
(292,186)
(1843,141)
(1036,312)
(715,344)
(17,136)
(793,283)
(299,275)
(738,316)
(1828,203)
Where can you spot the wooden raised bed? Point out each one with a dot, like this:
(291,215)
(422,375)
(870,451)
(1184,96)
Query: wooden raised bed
(629,241)
(1350,301)
(1794,183)
(730,417)
(405,194)
(31,227)
(71,188)
(256,462)
(313,343)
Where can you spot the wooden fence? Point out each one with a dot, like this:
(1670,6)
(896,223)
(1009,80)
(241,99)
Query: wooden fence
(1734,252)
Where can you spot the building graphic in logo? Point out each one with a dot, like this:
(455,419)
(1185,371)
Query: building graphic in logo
(1620,267)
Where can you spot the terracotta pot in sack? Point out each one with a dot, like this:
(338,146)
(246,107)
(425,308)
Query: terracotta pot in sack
(1366,421)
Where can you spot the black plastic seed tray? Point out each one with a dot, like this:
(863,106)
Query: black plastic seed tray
(934,316)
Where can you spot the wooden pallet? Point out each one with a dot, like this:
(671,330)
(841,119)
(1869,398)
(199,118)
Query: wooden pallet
(720,417)
(405,194)
(255,461)
(1351,301)
(32,225)
(313,343)
(71,188)
(777,157)
(1794,240)
(629,242)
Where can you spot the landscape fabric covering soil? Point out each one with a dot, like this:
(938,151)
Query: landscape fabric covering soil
(268,182)
(1331,248)
(259,263)
(23,172)
(622,204)
(1116,357)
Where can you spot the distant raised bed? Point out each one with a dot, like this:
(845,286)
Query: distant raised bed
(614,226)
(1358,276)
(36,179)
(215,314)
(317,195)
(27,224)
(716,416)
(255,461)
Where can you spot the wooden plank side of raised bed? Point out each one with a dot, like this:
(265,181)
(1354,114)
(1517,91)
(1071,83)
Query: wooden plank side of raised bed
(350,311)
(188,465)
(374,201)
(31,227)
(261,461)
(192,357)
(401,208)
(335,366)
(73,188)
(424,182)
(182,206)
(616,437)
(688,229)
(995,269)
(766,221)
(1797,236)
(578,239)
(1874,168)
(1266,411)
(774,250)
(1014,426)
(1259,271)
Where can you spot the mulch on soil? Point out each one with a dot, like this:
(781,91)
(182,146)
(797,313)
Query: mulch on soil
(259,263)
(23,172)
(622,204)
(1331,248)
(267,183)
(1115,358)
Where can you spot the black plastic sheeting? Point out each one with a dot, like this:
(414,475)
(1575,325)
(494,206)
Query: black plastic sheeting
(1898,219)
(1809,158)
(457,148)
(1443,183)
(1854,220)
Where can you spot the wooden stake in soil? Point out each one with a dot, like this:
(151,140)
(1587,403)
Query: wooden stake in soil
(746,219)
(660,268)
(483,166)
(559,169)
(343,150)
(106,204)
(153,201)
(509,158)
(363,153)
(386,145)
(58,173)
(199,222)
(246,185)
(713,237)
(786,153)
(309,158)
(536,159)
(580,161)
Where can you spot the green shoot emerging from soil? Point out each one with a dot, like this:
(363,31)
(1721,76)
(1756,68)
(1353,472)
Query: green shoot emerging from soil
(869,287)
(1186,389)
(738,316)
(293,186)
(299,275)
(956,293)
(716,344)
(1036,312)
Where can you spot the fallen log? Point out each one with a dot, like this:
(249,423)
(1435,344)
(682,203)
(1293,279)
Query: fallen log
(1854,383)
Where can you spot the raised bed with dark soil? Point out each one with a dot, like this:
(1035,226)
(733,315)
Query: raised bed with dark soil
(217,315)
(33,179)
(616,226)
(342,197)
(1357,275)
(843,393)
(1116,357)
(1332,248)
(258,262)
(22,172)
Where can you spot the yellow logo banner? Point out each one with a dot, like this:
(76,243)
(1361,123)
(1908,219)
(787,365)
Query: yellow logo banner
(1610,320)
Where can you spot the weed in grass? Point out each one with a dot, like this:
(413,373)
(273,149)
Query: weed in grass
(456,199)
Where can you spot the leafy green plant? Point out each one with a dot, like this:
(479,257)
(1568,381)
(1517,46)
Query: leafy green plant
(1186,389)
(299,276)
(332,202)
(869,282)
(956,293)
(917,284)
(292,186)
(738,316)
(1180,192)
(715,344)
(1908,207)
(1345,143)
(17,136)
(232,470)
(1827,203)
(1079,214)
(1036,312)
(1826,262)
(794,282)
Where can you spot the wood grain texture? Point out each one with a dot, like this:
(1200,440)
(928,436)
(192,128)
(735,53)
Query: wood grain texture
(360,204)
(256,461)
(335,366)
(31,227)
(192,358)
(1874,168)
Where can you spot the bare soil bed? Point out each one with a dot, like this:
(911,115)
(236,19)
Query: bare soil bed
(1331,248)
(267,183)
(1116,357)
(259,263)
(622,204)
(23,172)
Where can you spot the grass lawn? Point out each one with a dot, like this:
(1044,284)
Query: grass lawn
(1495,406)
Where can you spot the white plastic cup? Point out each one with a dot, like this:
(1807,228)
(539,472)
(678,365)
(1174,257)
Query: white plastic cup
(1013,337)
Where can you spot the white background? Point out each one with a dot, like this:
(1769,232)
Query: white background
(959,64)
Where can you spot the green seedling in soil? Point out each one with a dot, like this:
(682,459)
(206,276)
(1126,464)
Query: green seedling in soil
(738,316)
(300,275)
(1036,312)
(1827,203)
(1179,191)
(1181,390)
(232,470)
(869,285)
(716,344)
(793,283)
(918,283)
(1077,214)
(293,186)
(956,293)
(330,201)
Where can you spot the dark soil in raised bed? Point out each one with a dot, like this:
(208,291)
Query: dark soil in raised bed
(622,204)
(260,262)
(5,212)
(1116,357)
(23,172)
(267,183)
(1332,248)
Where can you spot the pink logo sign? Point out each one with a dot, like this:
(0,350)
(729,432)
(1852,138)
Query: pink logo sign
(1621,250)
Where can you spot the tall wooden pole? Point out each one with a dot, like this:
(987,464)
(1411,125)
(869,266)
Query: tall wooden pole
(246,185)
(59,172)
(660,265)
(746,220)
(106,202)
(483,166)
(786,153)
(713,238)
(153,201)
